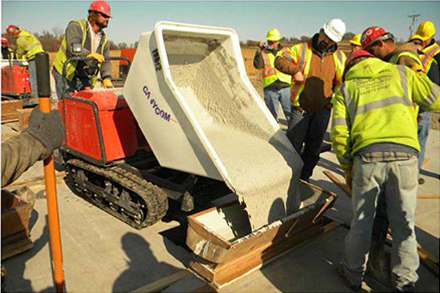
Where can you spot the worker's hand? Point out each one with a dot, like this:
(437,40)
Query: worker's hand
(46,128)
(107,83)
(348,178)
(261,45)
(100,58)
(299,77)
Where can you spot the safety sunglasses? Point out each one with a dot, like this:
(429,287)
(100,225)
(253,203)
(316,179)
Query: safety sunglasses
(104,15)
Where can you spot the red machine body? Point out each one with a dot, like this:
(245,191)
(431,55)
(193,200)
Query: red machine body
(15,81)
(100,126)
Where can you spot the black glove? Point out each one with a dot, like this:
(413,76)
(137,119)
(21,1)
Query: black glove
(46,128)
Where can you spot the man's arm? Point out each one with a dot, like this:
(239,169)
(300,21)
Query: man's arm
(425,93)
(341,130)
(18,154)
(258,59)
(74,35)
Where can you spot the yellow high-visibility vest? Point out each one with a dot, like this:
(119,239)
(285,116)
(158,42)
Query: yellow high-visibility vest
(301,55)
(28,45)
(270,74)
(61,55)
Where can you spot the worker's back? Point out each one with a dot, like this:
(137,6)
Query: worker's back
(379,98)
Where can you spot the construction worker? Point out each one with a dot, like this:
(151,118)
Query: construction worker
(6,52)
(430,58)
(316,67)
(276,85)
(380,43)
(85,38)
(44,134)
(415,39)
(27,47)
(374,135)
(355,43)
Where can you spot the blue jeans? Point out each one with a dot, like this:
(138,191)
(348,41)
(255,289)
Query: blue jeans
(32,68)
(308,129)
(272,98)
(422,133)
(397,182)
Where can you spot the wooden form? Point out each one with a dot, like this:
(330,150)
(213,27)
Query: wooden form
(16,211)
(220,261)
(23,118)
(9,110)
(427,259)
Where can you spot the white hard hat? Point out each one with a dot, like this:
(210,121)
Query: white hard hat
(334,29)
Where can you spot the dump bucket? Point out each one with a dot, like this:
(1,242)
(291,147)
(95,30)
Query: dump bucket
(190,94)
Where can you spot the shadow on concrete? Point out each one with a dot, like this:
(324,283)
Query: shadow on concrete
(15,266)
(143,266)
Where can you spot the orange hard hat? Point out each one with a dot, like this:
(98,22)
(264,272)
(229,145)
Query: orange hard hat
(373,34)
(100,6)
(12,30)
(4,41)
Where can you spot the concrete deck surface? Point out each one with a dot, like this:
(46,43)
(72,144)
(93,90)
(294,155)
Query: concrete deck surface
(101,254)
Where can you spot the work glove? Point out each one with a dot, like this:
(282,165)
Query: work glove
(100,58)
(47,129)
(348,178)
(107,83)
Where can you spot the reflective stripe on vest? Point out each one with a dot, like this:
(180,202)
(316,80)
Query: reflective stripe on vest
(61,58)
(428,56)
(304,61)
(31,45)
(270,74)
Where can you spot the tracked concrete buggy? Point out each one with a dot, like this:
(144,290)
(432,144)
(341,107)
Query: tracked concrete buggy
(187,126)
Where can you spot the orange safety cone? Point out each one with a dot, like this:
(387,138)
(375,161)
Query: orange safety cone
(43,82)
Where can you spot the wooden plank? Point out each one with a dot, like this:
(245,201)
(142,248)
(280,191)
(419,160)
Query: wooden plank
(429,196)
(338,182)
(191,284)
(23,118)
(425,163)
(160,284)
(9,109)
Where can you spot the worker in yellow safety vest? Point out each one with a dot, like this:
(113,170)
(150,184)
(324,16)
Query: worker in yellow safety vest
(374,136)
(27,47)
(7,53)
(316,67)
(355,43)
(276,84)
(84,38)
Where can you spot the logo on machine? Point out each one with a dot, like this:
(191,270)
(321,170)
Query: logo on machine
(156,60)
(157,110)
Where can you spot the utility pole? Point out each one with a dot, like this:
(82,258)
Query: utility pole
(411,27)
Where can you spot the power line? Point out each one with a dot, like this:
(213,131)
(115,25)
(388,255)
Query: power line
(411,27)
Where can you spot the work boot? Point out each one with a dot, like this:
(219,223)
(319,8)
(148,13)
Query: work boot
(350,284)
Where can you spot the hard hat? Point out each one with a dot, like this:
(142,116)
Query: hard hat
(415,37)
(334,29)
(356,40)
(100,6)
(4,41)
(12,30)
(273,35)
(357,54)
(426,30)
(374,34)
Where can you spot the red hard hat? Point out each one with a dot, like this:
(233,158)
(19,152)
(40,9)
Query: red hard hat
(373,34)
(357,54)
(100,6)
(4,41)
(12,30)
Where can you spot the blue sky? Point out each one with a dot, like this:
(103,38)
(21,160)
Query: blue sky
(250,19)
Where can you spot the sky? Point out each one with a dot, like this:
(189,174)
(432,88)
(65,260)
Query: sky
(250,19)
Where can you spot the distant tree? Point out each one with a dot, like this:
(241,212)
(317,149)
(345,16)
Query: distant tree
(135,45)
(252,43)
(49,41)
(348,36)
(294,40)
(304,39)
(112,45)
(122,46)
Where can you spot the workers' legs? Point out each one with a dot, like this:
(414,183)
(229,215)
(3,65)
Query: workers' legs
(271,100)
(422,134)
(286,105)
(367,181)
(313,140)
(33,78)
(296,131)
(401,196)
